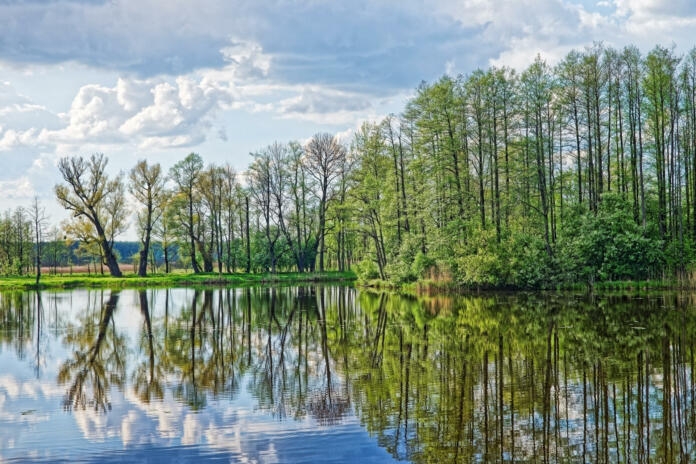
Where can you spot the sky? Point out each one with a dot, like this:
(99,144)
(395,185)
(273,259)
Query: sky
(158,79)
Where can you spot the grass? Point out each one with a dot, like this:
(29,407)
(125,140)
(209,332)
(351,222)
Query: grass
(168,280)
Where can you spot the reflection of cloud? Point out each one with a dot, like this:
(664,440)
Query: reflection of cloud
(233,426)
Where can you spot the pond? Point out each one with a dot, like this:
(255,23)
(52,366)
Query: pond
(337,374)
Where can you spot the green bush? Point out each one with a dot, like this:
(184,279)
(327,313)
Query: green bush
(527,262)
(367,270)
(421,264)
(608,245)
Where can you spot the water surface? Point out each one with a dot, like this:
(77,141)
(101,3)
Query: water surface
(334,374)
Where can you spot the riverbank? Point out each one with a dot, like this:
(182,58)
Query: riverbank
(451,287)
(168,280)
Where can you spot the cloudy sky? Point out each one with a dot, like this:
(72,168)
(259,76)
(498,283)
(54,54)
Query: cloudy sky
(158,79)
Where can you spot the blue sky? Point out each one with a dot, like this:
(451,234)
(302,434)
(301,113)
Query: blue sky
(158,79)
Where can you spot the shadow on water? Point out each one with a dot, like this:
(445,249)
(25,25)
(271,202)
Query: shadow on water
(502,378)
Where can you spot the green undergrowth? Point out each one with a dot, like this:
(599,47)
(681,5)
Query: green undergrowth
(169,280)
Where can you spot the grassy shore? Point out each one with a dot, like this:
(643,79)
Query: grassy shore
(450,287)
(168,280)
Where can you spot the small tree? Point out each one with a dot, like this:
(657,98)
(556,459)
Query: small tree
(38,219)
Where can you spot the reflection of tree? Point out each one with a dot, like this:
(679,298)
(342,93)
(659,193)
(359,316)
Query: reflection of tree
(181,347)
(97,363)
(545,378)
(17,316)
(505,377)
(148,376)
(205,348)
(24,319)
(39,327)
(327,406)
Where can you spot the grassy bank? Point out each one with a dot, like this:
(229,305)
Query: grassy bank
(169,280)
(445,287)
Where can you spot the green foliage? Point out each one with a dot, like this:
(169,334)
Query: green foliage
(366,270)
(481,262)
(528,264)
(609,245)
(421,264)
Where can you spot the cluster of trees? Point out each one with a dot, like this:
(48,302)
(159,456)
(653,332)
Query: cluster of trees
(579,172)
(582,171)
(278,220)
(22,235)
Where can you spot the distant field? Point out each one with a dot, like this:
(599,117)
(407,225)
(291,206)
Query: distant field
(82,269)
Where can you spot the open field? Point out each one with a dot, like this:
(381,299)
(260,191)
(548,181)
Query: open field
(173,279)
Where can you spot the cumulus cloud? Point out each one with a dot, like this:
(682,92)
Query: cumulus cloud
(147,113)
(174,69)
(366,42)
(357,45)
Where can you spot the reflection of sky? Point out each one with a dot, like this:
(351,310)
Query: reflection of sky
(34,425)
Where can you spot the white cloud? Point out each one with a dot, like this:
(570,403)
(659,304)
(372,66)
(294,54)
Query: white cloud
(158,77)
(149,113)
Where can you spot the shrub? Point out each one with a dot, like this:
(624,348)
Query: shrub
(367,270)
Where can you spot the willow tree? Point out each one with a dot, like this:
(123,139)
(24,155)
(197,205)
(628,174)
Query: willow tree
(261,175)
(537,87)
(89,193)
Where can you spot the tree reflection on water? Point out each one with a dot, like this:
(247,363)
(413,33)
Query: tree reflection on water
(527,377)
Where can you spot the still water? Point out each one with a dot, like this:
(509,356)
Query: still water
(335,374)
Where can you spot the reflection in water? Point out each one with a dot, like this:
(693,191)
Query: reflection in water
(97,362)
(525,378)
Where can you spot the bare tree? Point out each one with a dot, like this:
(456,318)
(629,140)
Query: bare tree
(260,176)
(87,193)
(325,156)
(147,186)
(38,219)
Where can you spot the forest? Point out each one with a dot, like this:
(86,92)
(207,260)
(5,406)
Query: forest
(584,171)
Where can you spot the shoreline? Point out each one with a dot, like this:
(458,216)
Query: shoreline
(48,282)
(169,280)
(452,288)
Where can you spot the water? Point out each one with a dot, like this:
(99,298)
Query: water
(334,374)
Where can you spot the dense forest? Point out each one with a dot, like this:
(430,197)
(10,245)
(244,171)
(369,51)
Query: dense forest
(579,172)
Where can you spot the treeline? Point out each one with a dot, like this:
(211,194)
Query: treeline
(58,253)
(583,171)
(275,216)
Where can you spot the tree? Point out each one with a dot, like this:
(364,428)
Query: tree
(164,229)
(147,186)
(185,174)
(261,186)
(325,155)
(89,193)
(39,220)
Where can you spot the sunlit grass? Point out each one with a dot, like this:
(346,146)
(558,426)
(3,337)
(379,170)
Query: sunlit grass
(172,279)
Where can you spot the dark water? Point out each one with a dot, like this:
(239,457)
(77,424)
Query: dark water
(333,374)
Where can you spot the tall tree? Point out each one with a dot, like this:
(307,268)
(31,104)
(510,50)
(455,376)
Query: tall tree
(39,220)
(147,186)
(325,155)
(185,175)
